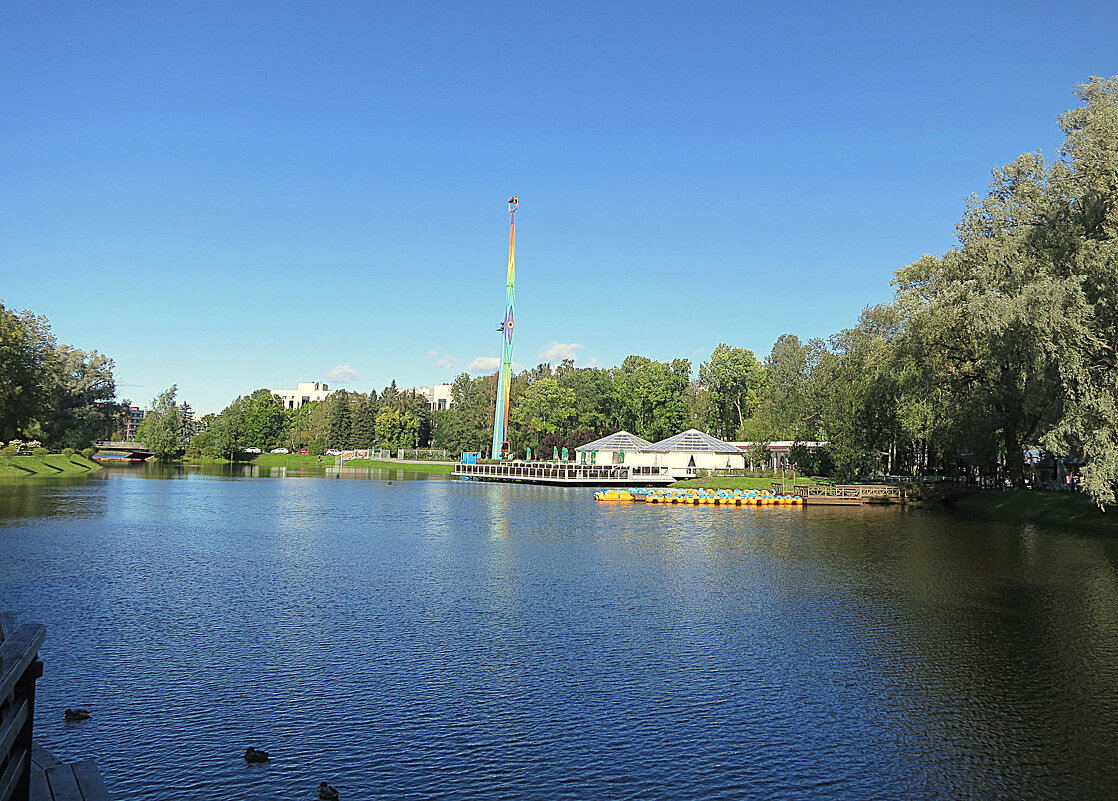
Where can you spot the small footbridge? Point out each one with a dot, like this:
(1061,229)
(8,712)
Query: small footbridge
(137,450)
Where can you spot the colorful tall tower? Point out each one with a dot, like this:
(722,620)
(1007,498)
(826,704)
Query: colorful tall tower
(504,380)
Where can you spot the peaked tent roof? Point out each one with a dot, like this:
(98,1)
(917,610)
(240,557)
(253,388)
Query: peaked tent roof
(614,442)
(692,440)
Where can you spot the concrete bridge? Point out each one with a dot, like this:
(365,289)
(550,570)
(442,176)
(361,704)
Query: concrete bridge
(136,449)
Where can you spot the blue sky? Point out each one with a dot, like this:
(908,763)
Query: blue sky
(234,195)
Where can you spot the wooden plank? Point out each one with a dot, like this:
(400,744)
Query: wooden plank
(17,652)
(40,790)
(13,773)
(13,723)
(90,781)
(63,784)
(43,758)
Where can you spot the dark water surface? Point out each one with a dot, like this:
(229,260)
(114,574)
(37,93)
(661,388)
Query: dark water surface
(456,640)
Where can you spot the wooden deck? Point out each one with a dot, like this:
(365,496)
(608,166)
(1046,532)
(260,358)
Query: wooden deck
(566,474)
(52,780)
(27,771)
(847,494)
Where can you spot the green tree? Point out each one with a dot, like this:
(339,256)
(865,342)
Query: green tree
(733,378)
(339,420)
(650,396)
(160,428)
(188,426)
(397,429)
(468,424)
(261,420)
(26,346)
(594,396)
(1080,306)
(781,403)
(544,408)
(81,389)
(364,412)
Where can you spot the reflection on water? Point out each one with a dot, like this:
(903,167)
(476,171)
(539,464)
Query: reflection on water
(445,639)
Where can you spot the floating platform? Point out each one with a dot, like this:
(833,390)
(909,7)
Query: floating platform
(565,474)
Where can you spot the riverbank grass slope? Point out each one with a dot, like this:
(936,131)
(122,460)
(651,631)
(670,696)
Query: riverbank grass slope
(54,464)
(1074,510)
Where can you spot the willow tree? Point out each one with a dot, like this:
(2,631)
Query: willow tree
(1084,237)
(1018,322)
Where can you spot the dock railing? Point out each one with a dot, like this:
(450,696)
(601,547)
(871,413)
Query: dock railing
(19,668)
(847,493)
(561,472)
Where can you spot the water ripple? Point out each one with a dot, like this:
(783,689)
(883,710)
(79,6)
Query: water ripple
(453,640)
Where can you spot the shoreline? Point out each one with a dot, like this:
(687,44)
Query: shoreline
(1071,511)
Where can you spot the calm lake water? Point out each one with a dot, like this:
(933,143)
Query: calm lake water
(437,639)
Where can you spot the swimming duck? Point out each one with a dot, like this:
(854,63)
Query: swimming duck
(255,756)
(327,793)
(76,714)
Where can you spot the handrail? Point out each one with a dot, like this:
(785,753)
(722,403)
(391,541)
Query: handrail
(849,491)
(19,668)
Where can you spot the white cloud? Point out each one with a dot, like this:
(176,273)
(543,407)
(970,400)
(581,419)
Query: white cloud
(484,364)
(490,364)
(343,374)
(557,351)
(446,362)
(430,355)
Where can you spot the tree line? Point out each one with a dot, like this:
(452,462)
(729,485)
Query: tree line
(1005,343)
(57,394)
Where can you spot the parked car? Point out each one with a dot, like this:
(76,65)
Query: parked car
(253,450)
(303,451)
(280,450)
(333,452)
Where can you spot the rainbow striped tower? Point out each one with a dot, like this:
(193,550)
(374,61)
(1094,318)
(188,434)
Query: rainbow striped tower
(504,379)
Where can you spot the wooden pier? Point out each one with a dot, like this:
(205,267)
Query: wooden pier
(846,494)
(566,474)
(27,771)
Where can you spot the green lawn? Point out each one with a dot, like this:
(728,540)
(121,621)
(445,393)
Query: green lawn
(739,482)
(309,460)
(1067,509)
(411,467)
(53,465)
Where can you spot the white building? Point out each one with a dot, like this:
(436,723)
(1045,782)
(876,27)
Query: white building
(777,451)
(438,397)
(609,450)
(693,450)
(306,392)
(680,456)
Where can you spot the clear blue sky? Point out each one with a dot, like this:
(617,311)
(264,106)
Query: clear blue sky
(233,195)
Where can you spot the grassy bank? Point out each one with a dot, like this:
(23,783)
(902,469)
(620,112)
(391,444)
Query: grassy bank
(1073,510)
(738,482)
(53,465)
(412,467)
(309,460)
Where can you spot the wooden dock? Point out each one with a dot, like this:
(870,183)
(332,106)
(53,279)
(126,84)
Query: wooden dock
(27,771)
(846,494)
(566,474)
(53,780)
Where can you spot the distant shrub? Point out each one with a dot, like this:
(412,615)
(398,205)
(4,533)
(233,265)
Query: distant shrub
(41,451)
(87,453)
(9,450)
(68,453)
